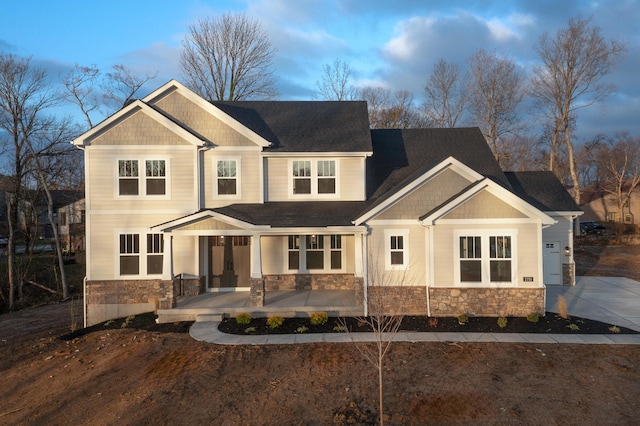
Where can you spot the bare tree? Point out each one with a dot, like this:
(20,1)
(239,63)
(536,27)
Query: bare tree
(80,84)
(335,82)
(93,92)
(391,110)
(228,58)
(570,76)
(619,170)
(445,95)
(521,153)
(121,85)
(496,89)
(25,96)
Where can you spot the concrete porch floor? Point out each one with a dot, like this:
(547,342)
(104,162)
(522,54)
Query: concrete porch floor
(299,303)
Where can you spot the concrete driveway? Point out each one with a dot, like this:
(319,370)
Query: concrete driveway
(614,300)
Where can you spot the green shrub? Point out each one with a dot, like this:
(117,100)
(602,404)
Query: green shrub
(573,327)
(463,319)
(319,318)
(302,329)
(340,328)
(533,317)
(615,329)
(244,318)
(502,322)
(127,321)
(275,322)
(249,329)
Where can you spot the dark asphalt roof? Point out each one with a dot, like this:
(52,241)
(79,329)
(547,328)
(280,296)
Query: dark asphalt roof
(296,213)
(305,126)
(543,190)
(400,156)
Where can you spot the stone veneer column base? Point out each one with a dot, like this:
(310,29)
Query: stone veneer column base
(490,302)
(569,274)
(256,293)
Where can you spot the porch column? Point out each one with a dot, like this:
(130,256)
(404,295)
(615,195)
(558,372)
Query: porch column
(256,294)
(167,260)
(359,266)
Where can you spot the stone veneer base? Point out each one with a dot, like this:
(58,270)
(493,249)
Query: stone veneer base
(519,302)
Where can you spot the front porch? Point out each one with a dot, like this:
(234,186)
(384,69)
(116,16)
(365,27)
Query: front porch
(285,303)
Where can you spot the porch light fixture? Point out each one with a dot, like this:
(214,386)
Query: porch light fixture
(567,251)
(314,239)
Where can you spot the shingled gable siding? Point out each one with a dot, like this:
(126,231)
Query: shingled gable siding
(120,298)
(139,129)
(424,199)
(485,206)
(518,302)
(201,121)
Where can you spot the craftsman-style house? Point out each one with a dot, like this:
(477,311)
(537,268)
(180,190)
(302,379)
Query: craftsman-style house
(186,196)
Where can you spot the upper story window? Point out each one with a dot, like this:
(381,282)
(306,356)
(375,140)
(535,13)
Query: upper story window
(314,177)
(156,177)
(301,177)
(128,177)
(152,182)
(227,177)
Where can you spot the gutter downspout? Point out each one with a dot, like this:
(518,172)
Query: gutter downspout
(84,302)
(365,260)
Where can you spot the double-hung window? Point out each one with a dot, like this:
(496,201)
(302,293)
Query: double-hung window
(313,253)
(227,177)
(396,249)
(151,182)
(156,177)
(485,257)
(129,254)
(128,177)
(314,177)
(301,177)
(134,259)
(155,248)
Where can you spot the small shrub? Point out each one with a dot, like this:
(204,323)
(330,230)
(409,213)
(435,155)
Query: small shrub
(244,318)
(275,322)
(108,323)
(319,318)
(433,322)
(533,317)
(127,321)
(502,322)
(573,327)
(615,329)
(249,329)
(340,328)
(463,319)
(302,329)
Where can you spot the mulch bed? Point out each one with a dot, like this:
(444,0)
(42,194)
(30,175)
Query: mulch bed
(549,324)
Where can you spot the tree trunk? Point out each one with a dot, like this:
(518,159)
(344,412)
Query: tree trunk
(572,165)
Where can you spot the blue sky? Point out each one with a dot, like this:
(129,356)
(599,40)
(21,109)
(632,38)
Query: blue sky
(392,44)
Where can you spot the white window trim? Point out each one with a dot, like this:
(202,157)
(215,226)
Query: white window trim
(485,260)
(314,179)
(142,234)
(302,262)
(238,194)
(388,233)
(142,177)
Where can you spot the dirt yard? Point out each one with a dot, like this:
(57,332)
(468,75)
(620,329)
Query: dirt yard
(144,374)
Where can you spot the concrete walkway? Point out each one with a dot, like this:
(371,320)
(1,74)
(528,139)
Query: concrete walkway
(611,300)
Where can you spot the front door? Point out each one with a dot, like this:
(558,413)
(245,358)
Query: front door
(229,263)
(552,263)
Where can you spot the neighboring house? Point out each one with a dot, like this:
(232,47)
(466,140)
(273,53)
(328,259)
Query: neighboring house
(187,195)
(71,229)
(602,206)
